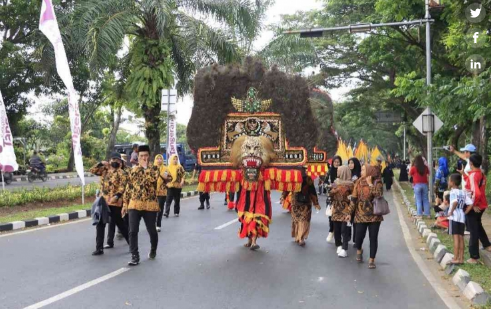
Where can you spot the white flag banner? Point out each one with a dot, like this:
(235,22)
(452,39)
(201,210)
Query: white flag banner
(49,26)
(8,162)
(172,137)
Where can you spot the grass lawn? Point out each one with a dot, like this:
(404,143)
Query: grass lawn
(44,212)
(479,273)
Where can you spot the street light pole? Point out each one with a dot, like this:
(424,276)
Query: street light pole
(319,32)
(429,135)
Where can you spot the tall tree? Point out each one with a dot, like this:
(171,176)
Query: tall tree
(168,39)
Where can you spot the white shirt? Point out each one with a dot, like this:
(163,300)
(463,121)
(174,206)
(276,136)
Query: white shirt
(467,169)
(462,199)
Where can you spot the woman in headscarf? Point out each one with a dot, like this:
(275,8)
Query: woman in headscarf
(364,193)
(388,176)
(403,176)
(161,187)
(355,168)
(176,181)
(441,175)
(342,189)
(329,180)
(302,208)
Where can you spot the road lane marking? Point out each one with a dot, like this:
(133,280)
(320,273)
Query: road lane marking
(77,289)
(226,224)
(444,295)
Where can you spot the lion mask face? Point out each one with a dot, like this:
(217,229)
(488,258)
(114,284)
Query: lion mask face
(252,152)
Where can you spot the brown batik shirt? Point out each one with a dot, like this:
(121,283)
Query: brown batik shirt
(362,201)
(141,189)
(340,202)
(113,183)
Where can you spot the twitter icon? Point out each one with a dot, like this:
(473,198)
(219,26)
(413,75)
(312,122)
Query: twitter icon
(475,13)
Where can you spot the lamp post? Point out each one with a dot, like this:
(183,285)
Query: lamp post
(356,28)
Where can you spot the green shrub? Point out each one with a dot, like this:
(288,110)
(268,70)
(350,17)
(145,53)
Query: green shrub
(21,197)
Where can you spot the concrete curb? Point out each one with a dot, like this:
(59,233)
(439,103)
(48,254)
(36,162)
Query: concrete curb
(471,290)
(78,214)
(53,177)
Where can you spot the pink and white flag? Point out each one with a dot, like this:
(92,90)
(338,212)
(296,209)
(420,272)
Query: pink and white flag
(8,162)
(49,26)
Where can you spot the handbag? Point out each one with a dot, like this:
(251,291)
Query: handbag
(329,210)
(380,206)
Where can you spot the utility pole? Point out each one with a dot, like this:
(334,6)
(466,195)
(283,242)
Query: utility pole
(357,28)
(429,135)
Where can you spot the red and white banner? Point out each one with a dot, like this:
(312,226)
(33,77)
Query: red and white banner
(8,162)
(172,137)
(49,26)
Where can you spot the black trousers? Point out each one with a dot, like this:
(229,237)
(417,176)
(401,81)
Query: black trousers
(361,231)
(161,200)
(342,234)
(149,218)
(204,196)
(474,225)
(115,220)
(331,226)
(173,194)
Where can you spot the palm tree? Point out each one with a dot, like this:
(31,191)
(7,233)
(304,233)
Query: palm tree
(167,39)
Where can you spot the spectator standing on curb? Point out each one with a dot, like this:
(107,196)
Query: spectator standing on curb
(113,183)
(140,201)
(134,156)
(464,154)
(476,185)
(419,172)
(442,172)
(456,216)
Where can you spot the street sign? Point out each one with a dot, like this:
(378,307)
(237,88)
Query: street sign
(388,117)
(426,122)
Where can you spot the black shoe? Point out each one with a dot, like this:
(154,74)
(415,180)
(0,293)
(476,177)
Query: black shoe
(207,204)
(98,252)
(201,207)
(108,246)
(225,204)
(135,260)
(166,215)
(152,254)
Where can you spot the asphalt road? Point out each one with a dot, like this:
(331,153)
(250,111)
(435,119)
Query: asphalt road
(198,266)
(50,183)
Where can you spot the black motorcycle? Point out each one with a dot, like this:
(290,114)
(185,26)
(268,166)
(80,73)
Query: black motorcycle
(37,172)
(8,178)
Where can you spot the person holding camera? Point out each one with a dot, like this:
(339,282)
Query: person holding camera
(464,154)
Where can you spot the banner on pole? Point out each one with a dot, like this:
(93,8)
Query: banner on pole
(49,26)
(8,161)
(172,137)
